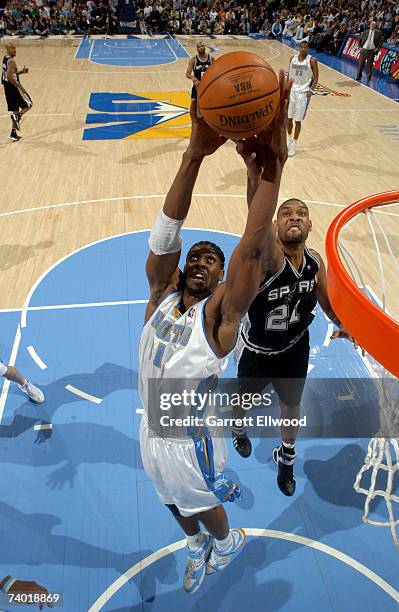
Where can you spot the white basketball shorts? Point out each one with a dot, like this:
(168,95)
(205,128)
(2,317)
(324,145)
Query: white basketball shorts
(298,105)
(3,368)
(173,468)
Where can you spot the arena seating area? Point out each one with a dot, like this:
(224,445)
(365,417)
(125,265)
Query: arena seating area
(323,23)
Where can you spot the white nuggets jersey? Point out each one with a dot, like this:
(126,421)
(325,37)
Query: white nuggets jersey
(174,346)
(301,73)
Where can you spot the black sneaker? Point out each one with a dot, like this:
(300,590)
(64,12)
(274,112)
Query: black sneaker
(14,136)
(243,445)
(285,476)
(16,117)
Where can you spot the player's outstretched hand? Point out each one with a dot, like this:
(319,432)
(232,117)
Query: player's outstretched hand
(342,332)
(203,141)
(261,152)
(27,587)
(253,155)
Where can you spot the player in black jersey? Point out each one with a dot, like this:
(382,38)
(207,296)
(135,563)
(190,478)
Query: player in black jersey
(274,339)
(18,100)
(197,65)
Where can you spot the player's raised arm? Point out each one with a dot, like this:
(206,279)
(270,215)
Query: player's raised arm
(247,263)
(165,238)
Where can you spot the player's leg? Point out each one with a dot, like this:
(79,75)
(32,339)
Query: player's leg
(248,374)
(227,542)
(292,366)
(298,127)
(362,59)
(369,65)
(284,455)
(12,374)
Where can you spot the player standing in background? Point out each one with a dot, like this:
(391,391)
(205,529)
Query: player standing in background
(304,72)
(197,65)
(18,100)
(274,342)
(191,326)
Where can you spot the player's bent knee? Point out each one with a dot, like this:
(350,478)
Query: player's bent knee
(174,509)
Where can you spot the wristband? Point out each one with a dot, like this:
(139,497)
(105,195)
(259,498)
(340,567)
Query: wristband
(8,584)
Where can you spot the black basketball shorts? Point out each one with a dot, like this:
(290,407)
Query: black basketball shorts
(15,100)
(285,371)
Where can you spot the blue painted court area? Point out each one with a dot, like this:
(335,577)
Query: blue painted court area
(131,51)
(78,512)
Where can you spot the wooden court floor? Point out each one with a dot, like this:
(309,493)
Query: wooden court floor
(59,193)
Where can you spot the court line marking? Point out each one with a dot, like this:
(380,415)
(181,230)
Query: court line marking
(86,246)
(163,196)
(44,115)
(84,305)
(13,357)
(329,332)
(87,396)
(345,76)
(131,58)
(106,72)
(36,357)
(137,568)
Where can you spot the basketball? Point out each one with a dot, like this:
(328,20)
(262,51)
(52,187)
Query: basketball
(239,95)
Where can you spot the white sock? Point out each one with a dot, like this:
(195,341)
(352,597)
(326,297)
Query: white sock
(224,545)
(195,542)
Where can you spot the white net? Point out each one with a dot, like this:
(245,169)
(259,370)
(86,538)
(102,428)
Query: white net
(375,269)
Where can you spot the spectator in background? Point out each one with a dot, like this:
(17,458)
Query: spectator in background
(266,28)
(370,43)
(218,26)
(276,29)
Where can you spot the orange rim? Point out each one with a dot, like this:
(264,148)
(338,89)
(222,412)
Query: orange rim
(375,330)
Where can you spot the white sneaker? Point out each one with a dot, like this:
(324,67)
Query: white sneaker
(220,559)
(291,149)
(34,394)
(195,568)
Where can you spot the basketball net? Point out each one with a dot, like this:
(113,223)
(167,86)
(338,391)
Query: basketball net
(378,478)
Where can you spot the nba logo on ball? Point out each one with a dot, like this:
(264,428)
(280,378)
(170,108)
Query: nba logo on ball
(239,95)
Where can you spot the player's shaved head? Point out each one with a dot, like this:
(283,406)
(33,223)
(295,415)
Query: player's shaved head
(10,47)
(290,202)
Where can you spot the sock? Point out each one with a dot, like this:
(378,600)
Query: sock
(224,545)
(239,432)
(288,451)
(195,542)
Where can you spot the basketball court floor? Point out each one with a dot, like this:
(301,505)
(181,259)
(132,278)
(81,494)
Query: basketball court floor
(100,149)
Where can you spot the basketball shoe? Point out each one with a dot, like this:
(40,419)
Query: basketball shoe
(291,148)
(195,568)
(285,476)
(14,136)
(242,444)
(220,559)
(35,395)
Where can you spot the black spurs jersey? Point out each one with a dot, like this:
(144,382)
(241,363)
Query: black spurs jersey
(4,69)
(201,67)
(283,308)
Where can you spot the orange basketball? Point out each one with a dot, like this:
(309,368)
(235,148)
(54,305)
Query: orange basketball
(239,95)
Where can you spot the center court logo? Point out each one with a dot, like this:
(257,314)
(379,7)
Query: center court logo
(120,116)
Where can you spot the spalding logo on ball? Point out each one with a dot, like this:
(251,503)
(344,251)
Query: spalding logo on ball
(239,95)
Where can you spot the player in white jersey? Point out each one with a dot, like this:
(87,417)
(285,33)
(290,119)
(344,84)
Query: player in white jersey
(192,322)
(304,73)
